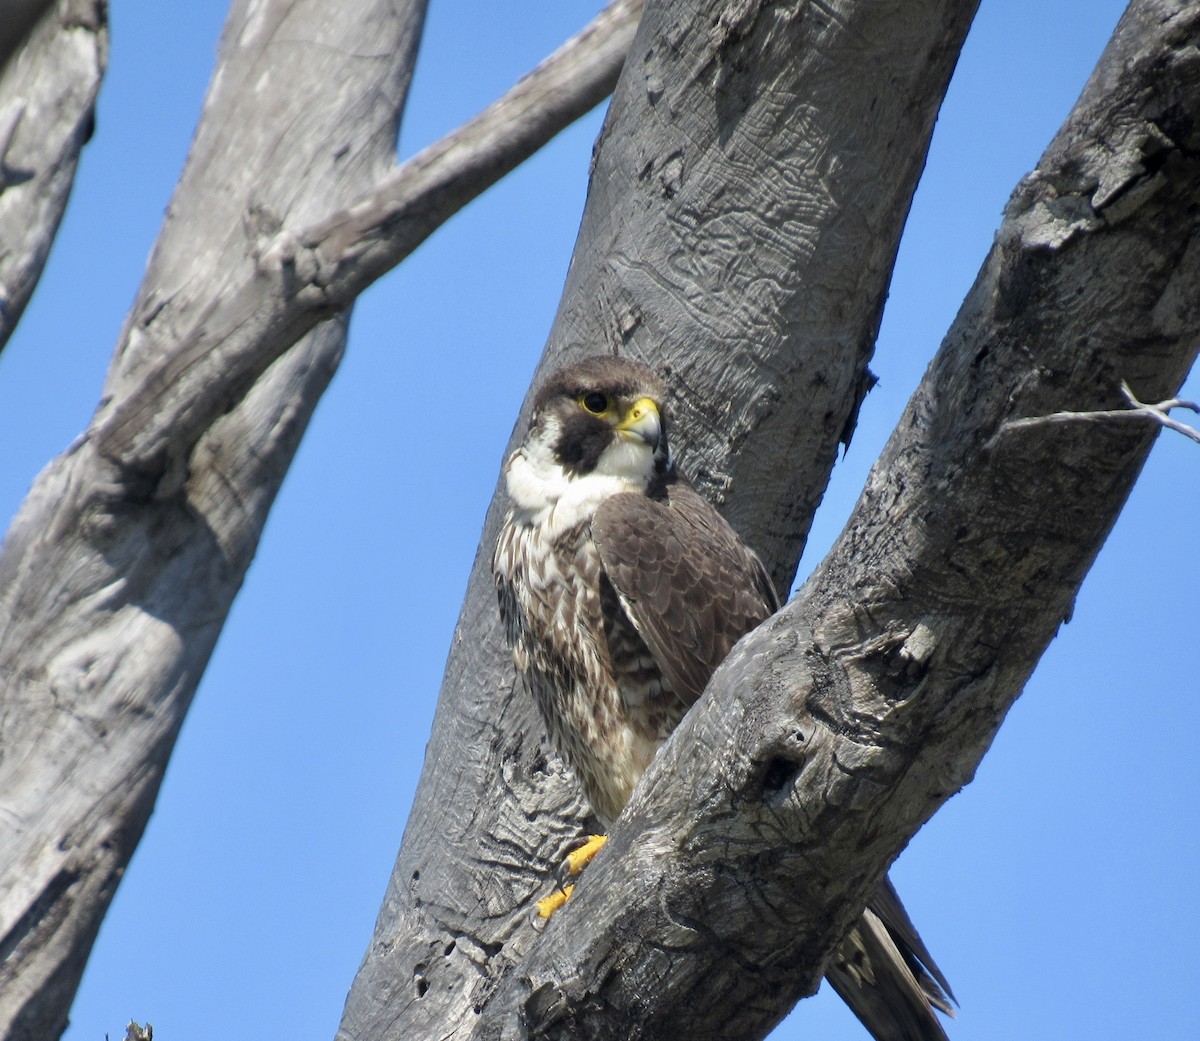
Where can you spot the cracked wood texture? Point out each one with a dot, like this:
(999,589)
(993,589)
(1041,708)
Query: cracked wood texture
(304,266)
(114,584)
(839,726)
(120,568)
(744,209)
(47,100)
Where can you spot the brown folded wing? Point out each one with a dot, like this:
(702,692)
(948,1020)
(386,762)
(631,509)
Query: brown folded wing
(690,586)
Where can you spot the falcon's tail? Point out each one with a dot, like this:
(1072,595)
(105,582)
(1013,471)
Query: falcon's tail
(884,973)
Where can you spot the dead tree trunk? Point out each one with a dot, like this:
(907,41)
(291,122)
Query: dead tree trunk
(747,198)
(120,568)
(755,286)
(116,579)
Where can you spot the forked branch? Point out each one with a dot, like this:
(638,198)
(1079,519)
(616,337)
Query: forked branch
(1138,410)
(315,272)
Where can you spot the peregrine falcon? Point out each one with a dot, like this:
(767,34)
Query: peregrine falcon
(621,590)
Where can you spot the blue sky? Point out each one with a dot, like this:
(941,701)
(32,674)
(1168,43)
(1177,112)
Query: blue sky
(1057,891)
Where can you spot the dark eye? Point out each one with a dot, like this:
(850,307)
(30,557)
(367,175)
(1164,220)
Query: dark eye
(595,402)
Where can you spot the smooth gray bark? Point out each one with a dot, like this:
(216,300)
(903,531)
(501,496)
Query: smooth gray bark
(305,268)
(48,91)
(746,202)
(121,566)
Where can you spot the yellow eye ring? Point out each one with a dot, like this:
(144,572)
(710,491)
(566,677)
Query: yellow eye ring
(594,402)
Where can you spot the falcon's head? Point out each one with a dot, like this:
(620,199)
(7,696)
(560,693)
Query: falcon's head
(598,428)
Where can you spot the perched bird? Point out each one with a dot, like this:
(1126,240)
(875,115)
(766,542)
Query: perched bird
(622,589)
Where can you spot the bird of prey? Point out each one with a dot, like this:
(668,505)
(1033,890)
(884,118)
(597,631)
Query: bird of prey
(621,590)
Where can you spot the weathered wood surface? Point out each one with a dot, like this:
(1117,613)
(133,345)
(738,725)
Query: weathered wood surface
(305,267)
(47,99)
(117,575)
(744,209)
(836,729)
(119,570)
(114,585)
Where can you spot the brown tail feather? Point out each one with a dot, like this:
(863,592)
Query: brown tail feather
(884,973)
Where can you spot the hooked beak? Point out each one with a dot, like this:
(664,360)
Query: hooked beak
(642,423)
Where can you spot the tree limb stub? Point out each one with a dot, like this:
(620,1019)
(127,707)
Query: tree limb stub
(883,682)
(303,277)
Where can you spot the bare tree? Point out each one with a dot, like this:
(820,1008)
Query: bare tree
(120,568)
(877,690)
(748,193)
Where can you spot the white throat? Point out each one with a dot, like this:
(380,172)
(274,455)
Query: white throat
(544,495)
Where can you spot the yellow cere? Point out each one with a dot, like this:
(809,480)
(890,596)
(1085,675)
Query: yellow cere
(638,411)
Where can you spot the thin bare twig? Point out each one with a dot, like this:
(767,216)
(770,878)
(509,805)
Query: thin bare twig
(1140,410)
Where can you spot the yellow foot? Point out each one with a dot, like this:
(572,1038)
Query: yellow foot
(554,901)
(576,861)
(580,858)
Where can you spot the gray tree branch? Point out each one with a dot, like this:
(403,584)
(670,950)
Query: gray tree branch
(119,570)
(113,600)
(837,728)
(747,198)
(306,270)
(1138,411)
(48,89)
